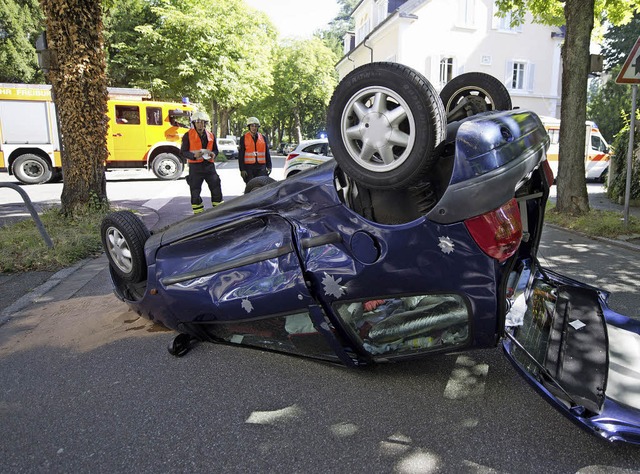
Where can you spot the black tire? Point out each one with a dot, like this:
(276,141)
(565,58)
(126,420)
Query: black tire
(123,238)
(31,169)
(473,93)
(56,176)
(257,183)
(167,166)
(385,121)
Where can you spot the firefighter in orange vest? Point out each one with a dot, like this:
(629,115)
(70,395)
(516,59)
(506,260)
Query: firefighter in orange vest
(199,148)
(254,158)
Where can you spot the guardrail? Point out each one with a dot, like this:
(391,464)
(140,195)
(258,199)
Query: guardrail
(32,211)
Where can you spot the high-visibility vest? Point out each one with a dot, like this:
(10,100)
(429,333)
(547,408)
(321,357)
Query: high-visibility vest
(255,152)
(196,144)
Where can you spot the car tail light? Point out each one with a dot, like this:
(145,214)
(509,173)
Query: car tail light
(499,232)
(548,172)
(291,156)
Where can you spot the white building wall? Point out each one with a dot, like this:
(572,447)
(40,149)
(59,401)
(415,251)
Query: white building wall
(440,31)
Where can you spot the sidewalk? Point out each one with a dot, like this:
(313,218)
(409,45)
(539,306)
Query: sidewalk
(91,275)
(23,289)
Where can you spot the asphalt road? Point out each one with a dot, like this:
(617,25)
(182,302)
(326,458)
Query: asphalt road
(87,386)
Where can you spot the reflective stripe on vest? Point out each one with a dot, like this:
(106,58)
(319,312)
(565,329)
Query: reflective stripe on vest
(196,144)
(255,152)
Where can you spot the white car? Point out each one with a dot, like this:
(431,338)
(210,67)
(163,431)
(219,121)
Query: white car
(306,155)
(228,147)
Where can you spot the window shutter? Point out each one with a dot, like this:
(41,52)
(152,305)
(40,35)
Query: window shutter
(531,69)
(508,75)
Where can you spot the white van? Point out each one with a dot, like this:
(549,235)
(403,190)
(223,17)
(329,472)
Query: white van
(596,149)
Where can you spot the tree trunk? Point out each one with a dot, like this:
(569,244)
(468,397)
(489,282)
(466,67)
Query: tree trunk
(74,32)
(224,122)
(215,117)
(572,187)
(297,126)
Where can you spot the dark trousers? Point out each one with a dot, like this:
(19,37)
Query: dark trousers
(253,171)
(199,172)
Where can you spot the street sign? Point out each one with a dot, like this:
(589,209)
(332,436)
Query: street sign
(630,72)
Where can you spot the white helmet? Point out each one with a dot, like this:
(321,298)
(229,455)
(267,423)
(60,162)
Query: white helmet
(252,121)
(200,116)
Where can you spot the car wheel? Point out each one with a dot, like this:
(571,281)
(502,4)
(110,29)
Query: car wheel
(258,182)
(31,169)
(385,121)
(167,166)
(472,93)
(123,238)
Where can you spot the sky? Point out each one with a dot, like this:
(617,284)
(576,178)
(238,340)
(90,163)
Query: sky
(297,18)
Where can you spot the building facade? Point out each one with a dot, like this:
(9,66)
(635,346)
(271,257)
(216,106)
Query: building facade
(444,38)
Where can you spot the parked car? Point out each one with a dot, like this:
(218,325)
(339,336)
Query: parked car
(306,155)
(228,147)
(285,148)
(419,238)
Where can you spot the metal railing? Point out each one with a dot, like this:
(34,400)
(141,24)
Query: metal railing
(32,211)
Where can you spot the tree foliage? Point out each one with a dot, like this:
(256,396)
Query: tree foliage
(609,104)
(618,42)
(216,52)
(304,78)
(74,33)
(20,23)
(578,17)
(125,56)
(333,36)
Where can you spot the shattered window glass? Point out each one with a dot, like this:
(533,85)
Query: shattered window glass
(294,333)
(406,324)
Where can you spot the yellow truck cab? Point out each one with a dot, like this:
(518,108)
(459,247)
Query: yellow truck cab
(596,149)
(142,133)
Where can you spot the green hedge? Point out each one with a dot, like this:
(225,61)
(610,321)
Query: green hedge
(618,166)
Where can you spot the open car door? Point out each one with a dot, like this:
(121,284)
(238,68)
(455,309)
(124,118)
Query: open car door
(579,354)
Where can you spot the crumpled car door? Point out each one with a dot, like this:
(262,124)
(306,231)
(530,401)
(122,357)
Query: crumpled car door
(242,283)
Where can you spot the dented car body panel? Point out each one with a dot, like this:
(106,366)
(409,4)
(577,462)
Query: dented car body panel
(294,267)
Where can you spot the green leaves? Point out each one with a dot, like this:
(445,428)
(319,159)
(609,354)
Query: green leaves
(20,23)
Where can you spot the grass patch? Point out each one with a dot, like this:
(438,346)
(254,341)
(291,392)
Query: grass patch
(23,248)
(597,223)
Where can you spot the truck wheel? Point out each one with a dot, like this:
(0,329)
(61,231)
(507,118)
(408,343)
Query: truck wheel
(385,121)
(123,237)
(472,93)
(31,169)
(167,166)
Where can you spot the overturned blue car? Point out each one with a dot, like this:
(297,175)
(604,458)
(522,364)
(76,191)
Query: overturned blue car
(419,238)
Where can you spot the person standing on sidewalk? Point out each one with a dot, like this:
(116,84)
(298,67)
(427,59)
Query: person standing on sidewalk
(199,148)
(254,158)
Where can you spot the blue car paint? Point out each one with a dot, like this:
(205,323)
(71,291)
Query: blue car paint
(294,245)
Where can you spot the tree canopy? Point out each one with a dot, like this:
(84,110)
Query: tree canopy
(20,23)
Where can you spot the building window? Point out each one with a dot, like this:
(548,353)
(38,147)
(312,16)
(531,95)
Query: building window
(382,8)
(363,29)
(446,70)
(503,22)
(520,75)
(517,76)
(466,13)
